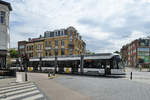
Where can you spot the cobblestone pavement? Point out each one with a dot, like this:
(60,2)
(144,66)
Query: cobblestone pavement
(54,90)
(106,88)
(68,87)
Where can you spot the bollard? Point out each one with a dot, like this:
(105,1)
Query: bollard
(49,74)
(131,76)
(26,77)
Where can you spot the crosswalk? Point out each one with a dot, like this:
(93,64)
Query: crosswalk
(21,91)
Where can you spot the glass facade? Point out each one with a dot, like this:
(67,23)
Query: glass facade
(55,33)
(143,53)
(143,42)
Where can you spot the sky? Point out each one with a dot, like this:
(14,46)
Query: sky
(105,25)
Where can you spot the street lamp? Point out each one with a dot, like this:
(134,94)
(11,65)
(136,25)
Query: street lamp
(55,64)
(40,64)
(26,61)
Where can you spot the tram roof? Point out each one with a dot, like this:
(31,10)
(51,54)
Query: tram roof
(77,57)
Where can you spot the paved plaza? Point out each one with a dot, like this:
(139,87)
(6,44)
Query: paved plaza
(21,91)
(67,87)
(75,87)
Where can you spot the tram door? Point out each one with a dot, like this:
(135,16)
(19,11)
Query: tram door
(2,62)
(107,68)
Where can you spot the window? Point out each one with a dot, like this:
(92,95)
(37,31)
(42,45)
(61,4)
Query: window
(56,51)
(22,47)
(62,51)
(56,42)
(62,32)
(70,41)
(32,48)
(143,49)
(46,53)
(65,32)
(50,44)
(46,43)
(62,42)
(70,51)
(2,17)
(50,53)
(39,47)
(52,34)
(70,34)
(58,33)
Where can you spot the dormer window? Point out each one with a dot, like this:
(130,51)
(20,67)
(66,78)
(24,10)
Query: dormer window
(2,17)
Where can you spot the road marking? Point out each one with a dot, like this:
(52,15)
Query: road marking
(21,95)
(13,86)
(23,91)
(35,97)
(15,89)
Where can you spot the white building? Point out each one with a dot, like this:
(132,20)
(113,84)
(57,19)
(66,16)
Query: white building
(5,9)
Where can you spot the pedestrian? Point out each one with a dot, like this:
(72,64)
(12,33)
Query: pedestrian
(140,67)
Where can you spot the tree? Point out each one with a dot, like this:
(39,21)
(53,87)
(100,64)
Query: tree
(117,52)
(13,53)
(89,52)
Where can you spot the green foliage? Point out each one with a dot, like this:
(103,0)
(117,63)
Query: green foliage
(89,52)
(13,53)
(117,52)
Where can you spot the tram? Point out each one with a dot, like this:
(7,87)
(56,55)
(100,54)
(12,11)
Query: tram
(95,64)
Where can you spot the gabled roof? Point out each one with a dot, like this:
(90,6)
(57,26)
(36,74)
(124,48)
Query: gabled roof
(7,4)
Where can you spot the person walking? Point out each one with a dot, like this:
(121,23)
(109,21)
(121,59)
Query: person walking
(140,67)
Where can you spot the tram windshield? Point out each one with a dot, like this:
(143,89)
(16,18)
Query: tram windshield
(118,62)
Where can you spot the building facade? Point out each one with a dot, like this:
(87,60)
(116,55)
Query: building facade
(55,43)
(137,52)
(5,9)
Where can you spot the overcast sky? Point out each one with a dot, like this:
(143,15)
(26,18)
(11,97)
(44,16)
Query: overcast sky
(105,25)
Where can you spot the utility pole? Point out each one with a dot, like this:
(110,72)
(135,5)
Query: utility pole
(40,65)
(55,64)
(26,61)
(81,64)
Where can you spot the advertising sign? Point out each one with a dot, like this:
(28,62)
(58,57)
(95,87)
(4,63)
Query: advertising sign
(144,59)
(143,42)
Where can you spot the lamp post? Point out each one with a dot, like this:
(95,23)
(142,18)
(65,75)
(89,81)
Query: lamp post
(26,59)
(81,64)
(55,64)
(40,64)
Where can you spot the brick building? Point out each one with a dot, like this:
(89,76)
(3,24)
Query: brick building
(137,52)
(57,42)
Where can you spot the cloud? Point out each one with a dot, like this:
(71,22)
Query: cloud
(105,25)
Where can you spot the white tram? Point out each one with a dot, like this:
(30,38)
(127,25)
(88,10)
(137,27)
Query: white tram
(95,64)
